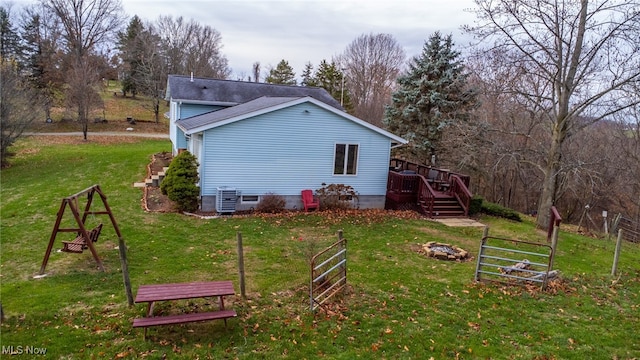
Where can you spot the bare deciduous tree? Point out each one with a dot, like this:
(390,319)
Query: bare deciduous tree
(86,24)
(628,148)
(583,54)
(152,70)
(501,146)
(20,106)
(192,48)
(371,64)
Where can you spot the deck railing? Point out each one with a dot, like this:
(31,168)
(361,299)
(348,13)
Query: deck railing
(403,183)
(413,182)
(399,165)
(461,192)
(414,187)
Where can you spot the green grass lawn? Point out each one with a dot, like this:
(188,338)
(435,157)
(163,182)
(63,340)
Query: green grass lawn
(400,304)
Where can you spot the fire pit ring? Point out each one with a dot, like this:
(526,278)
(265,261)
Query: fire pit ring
(445,251)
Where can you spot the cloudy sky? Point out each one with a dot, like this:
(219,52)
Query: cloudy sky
(302,31)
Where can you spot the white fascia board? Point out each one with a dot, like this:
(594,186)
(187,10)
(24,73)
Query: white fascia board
(358,121)
(246,116)
(204,102)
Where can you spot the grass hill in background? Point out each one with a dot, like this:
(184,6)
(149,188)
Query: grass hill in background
(117,109)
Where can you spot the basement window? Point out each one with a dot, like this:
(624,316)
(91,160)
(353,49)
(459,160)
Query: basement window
(249,199)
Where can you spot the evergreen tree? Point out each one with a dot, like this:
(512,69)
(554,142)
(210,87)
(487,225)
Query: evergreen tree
(10,49)
(307,75)
(282,74)
(432,95)
(181,182)
(131,51)
(42,60)
(332,79)
(33,50)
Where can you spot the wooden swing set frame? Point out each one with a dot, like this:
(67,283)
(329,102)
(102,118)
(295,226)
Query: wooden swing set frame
(85,238)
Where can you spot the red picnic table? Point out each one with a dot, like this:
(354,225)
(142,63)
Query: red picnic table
(181,291)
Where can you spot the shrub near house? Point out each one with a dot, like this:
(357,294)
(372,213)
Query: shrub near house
(180,182)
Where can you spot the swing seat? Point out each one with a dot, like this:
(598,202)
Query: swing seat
(79,244)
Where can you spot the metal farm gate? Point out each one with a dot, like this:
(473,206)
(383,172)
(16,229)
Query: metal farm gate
(328,272)
(513,260)
(630,229)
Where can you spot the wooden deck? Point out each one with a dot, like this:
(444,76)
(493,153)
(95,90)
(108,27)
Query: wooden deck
(437,193)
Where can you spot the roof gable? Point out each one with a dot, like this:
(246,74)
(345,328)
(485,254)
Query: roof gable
(215,118)
(265,105)
(229,92)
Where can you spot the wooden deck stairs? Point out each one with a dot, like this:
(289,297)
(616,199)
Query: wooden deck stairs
(437,193)
(445,207)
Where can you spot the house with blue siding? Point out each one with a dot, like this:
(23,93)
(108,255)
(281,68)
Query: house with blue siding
(251,139)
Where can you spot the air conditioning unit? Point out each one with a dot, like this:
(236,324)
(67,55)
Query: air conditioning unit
(226,198)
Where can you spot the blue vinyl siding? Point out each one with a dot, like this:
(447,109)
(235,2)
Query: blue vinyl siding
(290,150)
(189,110)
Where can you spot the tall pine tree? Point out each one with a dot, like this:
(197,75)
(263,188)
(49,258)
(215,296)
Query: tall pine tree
(42,59)
(432,95)
(10,49)
(131,48)
(329,77)
(282,74)
(307,75)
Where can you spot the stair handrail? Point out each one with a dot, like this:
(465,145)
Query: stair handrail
(459,189)
(426,194)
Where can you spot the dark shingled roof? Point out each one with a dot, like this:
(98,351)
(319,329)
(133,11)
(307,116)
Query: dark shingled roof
(228,92)
(213,117)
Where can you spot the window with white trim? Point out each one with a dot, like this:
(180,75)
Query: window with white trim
(345,161)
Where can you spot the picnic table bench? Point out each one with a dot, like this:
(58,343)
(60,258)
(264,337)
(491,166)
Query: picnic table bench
(181,291)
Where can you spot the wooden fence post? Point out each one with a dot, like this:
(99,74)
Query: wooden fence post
(122,249)
(616,255)
(241,266)
(554,244)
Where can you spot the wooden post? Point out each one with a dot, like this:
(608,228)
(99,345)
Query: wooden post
(616,255)
(241,266)
(53,236)
(122,248)
(554,244)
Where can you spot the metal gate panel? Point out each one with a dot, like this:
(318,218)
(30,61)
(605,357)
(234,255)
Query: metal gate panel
(328,273)
(508,259)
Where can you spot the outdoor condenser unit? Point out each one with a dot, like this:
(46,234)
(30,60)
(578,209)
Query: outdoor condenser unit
(226,198)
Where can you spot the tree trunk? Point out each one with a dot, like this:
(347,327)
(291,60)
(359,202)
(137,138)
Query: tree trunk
(156,110)
(82,119)
(549,184)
